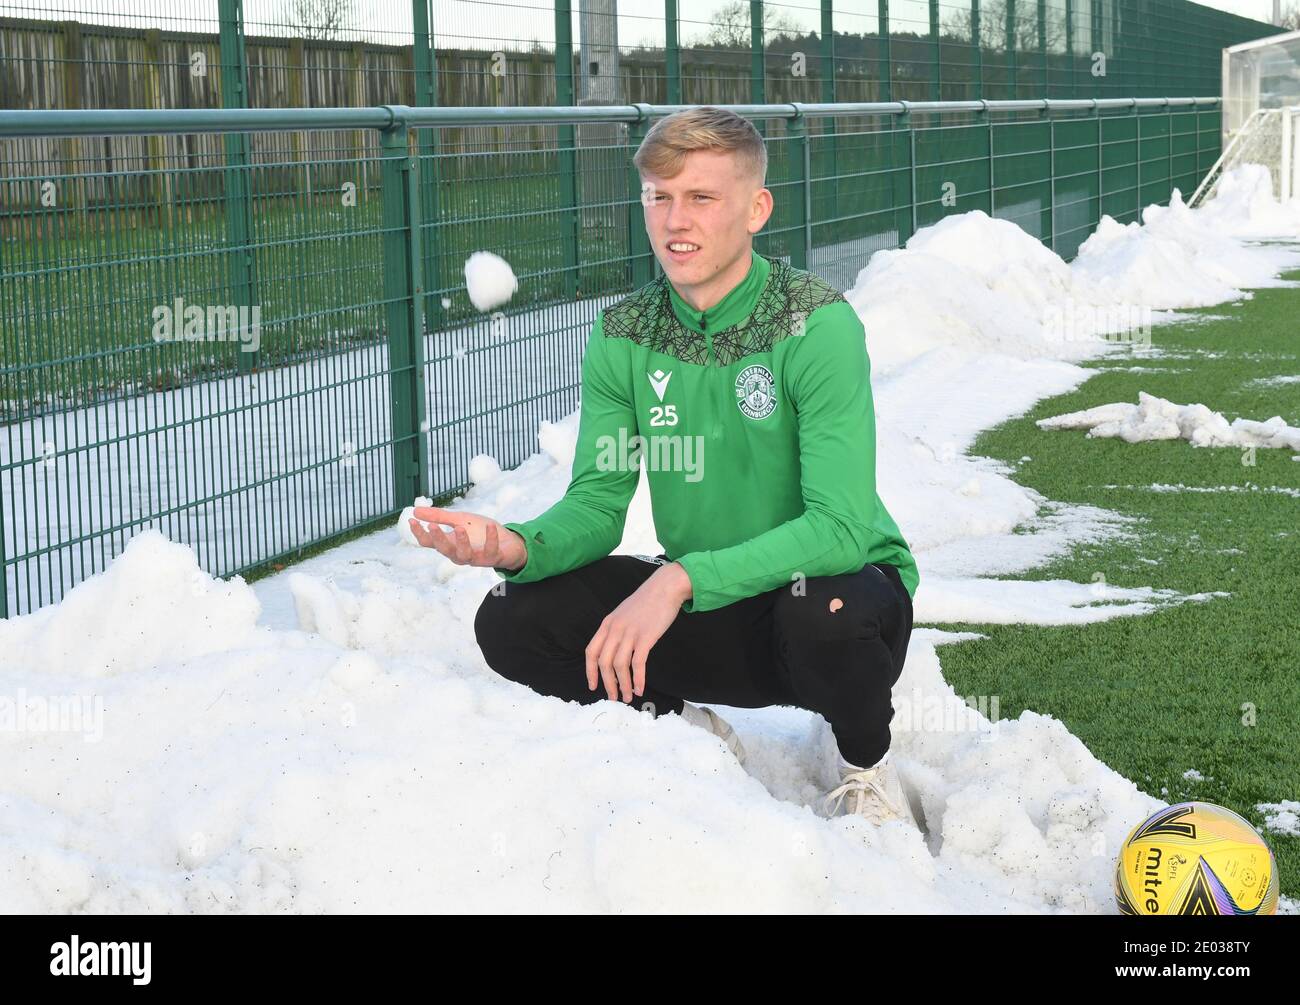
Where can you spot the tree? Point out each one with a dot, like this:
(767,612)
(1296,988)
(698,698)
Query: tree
(729,26)
(316,18)
(1291,19)
(993,26)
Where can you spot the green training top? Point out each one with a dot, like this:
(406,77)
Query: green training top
(754,420)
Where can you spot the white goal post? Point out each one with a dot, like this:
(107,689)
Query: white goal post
(1260,113)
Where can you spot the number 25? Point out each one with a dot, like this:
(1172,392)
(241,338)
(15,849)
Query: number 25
(663,415)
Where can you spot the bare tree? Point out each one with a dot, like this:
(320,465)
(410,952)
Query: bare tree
(316,18)
(993,26)
(1291,19)
(729,27)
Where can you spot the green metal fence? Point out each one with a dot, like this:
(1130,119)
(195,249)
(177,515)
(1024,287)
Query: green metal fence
(323,53)
(134,392)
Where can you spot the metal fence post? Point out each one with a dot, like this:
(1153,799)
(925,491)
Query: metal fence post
(404,299)
(988,120)
(1101,176)
(904,121)
(1051,172)
(1137,157)
(911,164)
(672,53)
(1042,48)
(1094,35)
(886,55)
(241,268)
(1013,68)
(936,64)
(1169,148)
(797,133)
(567,153)
(640,260)
(1072,61)
(425,67)
(830,157)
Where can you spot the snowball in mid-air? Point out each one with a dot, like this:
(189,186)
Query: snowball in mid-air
(490,280)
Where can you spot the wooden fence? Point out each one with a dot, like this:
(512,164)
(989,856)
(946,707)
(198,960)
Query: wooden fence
(66,64)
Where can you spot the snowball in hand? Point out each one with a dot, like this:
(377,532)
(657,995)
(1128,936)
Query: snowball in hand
(490,280)
(475,529)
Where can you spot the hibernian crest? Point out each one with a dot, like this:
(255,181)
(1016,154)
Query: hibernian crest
(754,392)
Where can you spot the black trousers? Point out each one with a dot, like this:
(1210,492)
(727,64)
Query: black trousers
(830,644)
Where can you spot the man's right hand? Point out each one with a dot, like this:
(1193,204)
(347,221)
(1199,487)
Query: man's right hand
(473,540)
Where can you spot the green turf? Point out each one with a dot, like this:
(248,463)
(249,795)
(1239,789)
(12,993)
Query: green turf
(1156,695)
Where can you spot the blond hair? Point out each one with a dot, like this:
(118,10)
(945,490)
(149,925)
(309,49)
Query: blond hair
(664,149)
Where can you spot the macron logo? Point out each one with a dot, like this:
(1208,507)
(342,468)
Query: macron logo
(659,381)
(101,959)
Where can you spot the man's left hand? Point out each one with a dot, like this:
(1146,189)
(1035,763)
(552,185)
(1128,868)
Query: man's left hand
(617,652)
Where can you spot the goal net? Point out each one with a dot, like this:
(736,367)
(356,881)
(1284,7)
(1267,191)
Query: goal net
(1261,113)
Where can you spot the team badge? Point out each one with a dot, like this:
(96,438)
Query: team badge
(754,391)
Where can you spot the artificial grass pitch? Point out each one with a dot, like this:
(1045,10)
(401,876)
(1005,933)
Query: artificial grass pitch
(1211,686)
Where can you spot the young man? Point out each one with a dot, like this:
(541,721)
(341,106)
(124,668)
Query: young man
(784,581)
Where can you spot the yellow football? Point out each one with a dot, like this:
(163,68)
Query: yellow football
(1195,858)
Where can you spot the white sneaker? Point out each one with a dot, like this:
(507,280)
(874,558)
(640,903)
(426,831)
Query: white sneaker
(875,793)
(708,719)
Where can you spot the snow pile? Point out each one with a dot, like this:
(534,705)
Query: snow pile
(1155,418)
(1176,258)
(969,281)
(985,285)
(378,766)
(1244,206)
(144,611)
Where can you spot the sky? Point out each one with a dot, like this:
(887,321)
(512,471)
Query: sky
(1260,10)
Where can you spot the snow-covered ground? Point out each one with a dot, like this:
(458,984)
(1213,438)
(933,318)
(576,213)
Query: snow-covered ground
(330,739)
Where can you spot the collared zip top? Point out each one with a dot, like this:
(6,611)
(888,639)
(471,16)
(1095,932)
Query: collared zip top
(757,434)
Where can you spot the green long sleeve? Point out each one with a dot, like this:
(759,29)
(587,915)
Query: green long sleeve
(758,428)
(587,522)
(828,380)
